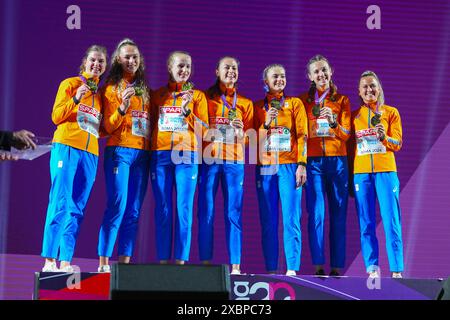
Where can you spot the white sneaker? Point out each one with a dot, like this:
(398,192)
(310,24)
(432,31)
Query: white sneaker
(235,272)
(291,273)
(50,267)
(104,269)
(67,269)
(397,275)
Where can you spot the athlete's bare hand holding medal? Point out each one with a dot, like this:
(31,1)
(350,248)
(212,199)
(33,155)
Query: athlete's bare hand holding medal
(187,98)
(81,91)
(188,95)
(271,115)
(327,113)
(238,125)
(126,96)
(380,131)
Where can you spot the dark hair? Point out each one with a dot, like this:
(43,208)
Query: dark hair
(116,71)
(312,87)
(93,48)
(214,90)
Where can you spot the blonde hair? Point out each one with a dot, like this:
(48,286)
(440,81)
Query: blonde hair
(369,73)
(270,66)
(172,55)
(171,59)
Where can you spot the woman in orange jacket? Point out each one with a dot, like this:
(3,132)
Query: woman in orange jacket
(179,116)
(329,129)
(77,112)
(281,171)
(126,103)
(230,115)
(378,133)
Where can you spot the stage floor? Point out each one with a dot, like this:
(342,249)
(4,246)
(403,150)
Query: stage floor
(95,286)
(18,276)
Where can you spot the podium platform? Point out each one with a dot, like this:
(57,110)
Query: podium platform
(96,286)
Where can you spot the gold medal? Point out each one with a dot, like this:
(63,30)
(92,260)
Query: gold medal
(376,119)
(316,110)
(275,104)
(92,85)
(231,114)
(187,86)
(138,91)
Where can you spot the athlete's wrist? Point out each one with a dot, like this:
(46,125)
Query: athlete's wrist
(186,113)
(333,123)
(77,101)
(121,112)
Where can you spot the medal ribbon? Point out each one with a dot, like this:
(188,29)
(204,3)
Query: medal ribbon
(266,103)
(226,104)
(318,100)
(86,80)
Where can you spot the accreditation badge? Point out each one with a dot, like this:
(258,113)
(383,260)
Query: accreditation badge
(278,139)
(140,123)
(368,143)
(221,130)
(320,128)
(88,119)
(171,119)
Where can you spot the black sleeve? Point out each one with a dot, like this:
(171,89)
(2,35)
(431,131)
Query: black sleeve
(6,138)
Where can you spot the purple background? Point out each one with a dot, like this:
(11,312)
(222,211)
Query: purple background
(410,55)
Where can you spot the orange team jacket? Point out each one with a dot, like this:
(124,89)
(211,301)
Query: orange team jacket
(131,130)
(77,124)
(287,134)
(220,140)
(323,140)
(372,155)
(170,129)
